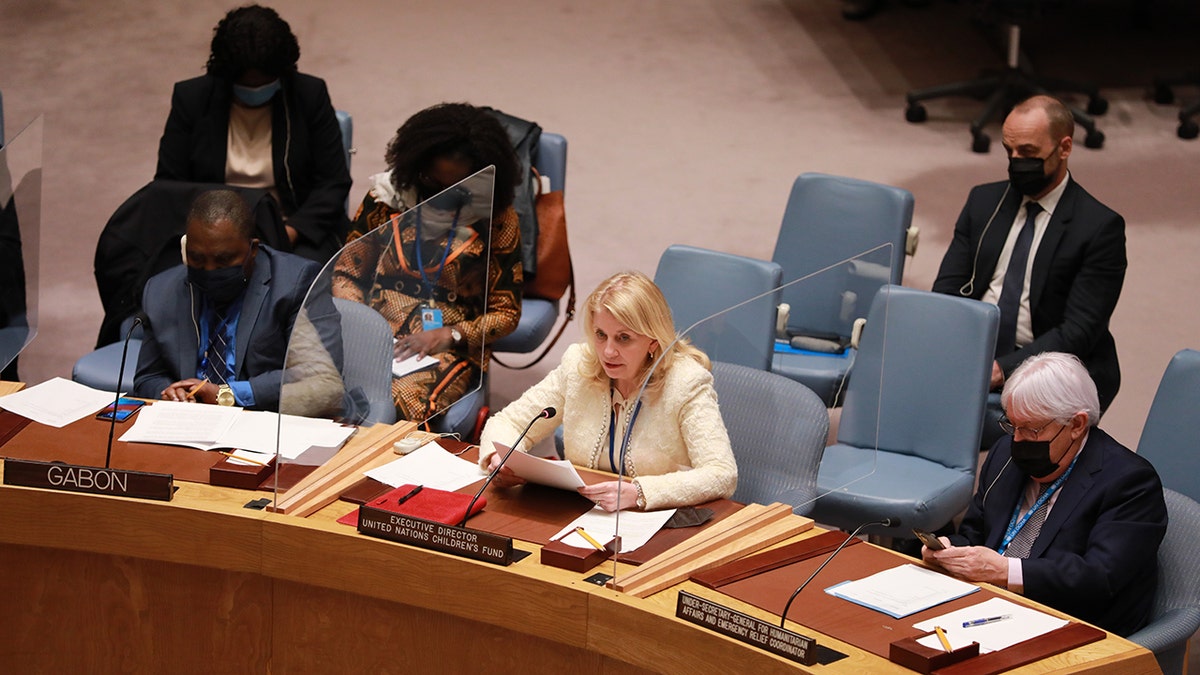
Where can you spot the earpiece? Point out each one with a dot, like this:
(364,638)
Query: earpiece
(183,248)
(968,288)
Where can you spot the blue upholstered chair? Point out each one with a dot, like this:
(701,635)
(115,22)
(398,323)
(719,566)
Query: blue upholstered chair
(1171,437)
(1176,614)
(699,283)
(538,315)
(367,359)
(829,223)
(778,428)
(98,369)
(908,437)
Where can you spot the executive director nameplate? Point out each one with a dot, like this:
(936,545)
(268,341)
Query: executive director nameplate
(89,479)
(436,536)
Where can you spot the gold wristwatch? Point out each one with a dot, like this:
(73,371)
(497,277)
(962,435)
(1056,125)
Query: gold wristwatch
(225,395)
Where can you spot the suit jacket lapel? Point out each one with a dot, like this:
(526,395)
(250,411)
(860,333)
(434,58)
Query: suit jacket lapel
(1072,492)
(252,306)
(187,335)
(1008,489)
(1059,220)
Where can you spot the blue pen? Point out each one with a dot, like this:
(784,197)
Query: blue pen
(990,619)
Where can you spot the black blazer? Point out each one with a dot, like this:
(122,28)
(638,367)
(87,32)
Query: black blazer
(311,175)
(1076,278)
(1096,557)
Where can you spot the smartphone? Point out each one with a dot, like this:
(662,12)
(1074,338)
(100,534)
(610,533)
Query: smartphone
(930,541)
(125,408)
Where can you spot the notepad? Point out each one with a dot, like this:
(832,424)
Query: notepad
(902,590)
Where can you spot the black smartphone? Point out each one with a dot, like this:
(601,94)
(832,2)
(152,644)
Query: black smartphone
(930,541)
(125,408)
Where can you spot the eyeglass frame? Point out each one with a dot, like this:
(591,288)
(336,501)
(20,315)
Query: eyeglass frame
(1011,429)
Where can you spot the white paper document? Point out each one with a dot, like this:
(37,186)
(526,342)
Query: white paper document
(57,402)
(636,528)
(429,465)
(557,473)
(902,590)
(412,364)
(1023,623)
(176,422)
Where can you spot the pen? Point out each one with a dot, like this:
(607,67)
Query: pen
(193,390)
(942,636)
(412,493)
(239,458)
(990,619)
(583,533)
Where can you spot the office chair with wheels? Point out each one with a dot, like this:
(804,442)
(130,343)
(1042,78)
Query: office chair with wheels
(908,439)
(843,238)
(777,428)
(1188,128)
(699,283)
(1010,86)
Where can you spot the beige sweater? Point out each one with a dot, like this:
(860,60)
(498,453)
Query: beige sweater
(679,452)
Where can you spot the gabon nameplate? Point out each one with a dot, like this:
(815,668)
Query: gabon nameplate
(745,628)
(435,536)
(89,479)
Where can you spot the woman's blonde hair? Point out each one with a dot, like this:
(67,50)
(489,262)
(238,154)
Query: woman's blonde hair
(638,304)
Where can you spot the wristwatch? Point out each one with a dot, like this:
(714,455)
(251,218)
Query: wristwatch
(456,336)
(225,395)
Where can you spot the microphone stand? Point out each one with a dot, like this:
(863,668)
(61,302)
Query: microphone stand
(112,428)
(546,413)
(886,522)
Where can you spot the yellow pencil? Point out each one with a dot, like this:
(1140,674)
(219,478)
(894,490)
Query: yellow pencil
(942,636)
(239,458)
(193,390)
(583,533)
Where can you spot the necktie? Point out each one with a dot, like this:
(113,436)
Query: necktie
(1014,283)
(214,354)
(1022,543)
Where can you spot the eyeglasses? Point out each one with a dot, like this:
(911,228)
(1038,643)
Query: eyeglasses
(1011,429)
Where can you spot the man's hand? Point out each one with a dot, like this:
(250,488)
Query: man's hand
(179,391)
(972,563)
(426,342)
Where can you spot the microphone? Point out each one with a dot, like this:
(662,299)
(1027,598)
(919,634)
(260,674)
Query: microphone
(112,428)
(546,414)
(886,522)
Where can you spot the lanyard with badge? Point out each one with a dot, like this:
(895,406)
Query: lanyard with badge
(431,316)
(1017,521)
(612,433)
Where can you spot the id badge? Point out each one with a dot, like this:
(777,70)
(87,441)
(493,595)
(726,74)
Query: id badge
(431,318)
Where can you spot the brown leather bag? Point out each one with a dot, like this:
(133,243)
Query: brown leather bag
(554,272)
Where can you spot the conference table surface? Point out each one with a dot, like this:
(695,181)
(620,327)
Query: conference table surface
(204,584)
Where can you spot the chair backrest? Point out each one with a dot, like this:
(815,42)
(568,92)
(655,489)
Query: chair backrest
(921,376)
(829,219)
(778,429)
(1171,437)
(367,358)
(698,283)
(552,159)
(1176,613)
(346,124)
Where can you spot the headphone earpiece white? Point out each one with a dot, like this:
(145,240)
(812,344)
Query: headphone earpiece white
(968,288)
(183,248)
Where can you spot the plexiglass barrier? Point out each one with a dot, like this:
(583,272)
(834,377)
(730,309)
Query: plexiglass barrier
(394,326)
(20,226)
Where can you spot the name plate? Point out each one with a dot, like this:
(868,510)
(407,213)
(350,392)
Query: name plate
(89,479)
(435,536)
(745,628)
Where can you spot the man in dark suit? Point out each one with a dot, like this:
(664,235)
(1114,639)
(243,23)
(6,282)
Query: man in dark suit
(1063,295)
(1064,514)
(217,328)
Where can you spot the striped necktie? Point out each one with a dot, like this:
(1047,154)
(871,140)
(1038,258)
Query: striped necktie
(1022,543)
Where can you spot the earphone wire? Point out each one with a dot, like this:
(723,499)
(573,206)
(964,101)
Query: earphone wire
(967,289)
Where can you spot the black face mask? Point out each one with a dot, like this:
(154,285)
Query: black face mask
(1033,457)
(221,285)
(1028,175)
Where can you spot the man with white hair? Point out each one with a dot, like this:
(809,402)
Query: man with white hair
(1064,514)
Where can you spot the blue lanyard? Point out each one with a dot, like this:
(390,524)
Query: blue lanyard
(1017,522)
(445,252)
(612,435)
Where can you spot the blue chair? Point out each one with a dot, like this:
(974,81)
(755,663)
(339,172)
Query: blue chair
(777,428)
(829,222)
(908,439)
(98,369)
(538,315)
(699,283)
(367,360)
(1176,614)
(1171,437)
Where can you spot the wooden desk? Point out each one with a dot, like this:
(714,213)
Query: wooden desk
(201,584)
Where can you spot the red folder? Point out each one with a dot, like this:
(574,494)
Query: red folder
(439,506)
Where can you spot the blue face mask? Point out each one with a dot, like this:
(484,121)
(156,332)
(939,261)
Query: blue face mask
(256,96)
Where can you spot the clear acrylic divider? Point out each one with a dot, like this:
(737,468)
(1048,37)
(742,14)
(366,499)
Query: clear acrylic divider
(20,239)
(424,267)
(851,286)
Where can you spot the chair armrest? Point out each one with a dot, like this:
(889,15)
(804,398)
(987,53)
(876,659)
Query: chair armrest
(1173,628)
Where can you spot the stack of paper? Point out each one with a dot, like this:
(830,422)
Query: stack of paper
(429,465)
(902,590)
(1019,623)
(57,402)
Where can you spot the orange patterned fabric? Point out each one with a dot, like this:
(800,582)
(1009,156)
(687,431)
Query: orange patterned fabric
(369,271)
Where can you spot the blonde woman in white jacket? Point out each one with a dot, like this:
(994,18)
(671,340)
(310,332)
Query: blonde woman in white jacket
(679,452)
